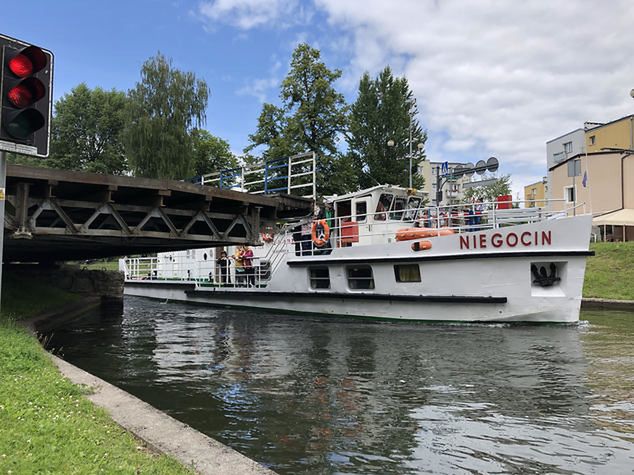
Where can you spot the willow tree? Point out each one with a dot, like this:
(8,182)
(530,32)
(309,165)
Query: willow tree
(163,109)
(385,111)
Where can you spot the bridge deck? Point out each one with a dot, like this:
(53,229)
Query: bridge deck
(65,215)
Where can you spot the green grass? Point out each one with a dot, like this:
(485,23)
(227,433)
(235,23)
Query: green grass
(46,424)
(610,273)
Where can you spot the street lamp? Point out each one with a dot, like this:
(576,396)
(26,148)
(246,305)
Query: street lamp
(419,147)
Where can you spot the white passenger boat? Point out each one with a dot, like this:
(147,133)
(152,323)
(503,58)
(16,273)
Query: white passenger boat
(383,255)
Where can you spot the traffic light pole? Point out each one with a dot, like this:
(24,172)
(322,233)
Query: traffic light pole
(3,194)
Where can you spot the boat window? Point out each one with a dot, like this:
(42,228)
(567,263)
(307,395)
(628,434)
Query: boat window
(399,206)
(412,207)
(319,278)
(360,277)
(361,210)
(385,202)
(407,273)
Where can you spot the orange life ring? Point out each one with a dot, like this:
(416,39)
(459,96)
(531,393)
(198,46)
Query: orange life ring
(320,232)
(266,237)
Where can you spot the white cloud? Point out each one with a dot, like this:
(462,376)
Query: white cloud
(260,88)
(248,14)
(491,77)
(502,77)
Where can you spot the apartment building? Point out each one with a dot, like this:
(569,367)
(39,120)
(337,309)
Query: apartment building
(601,183)
(564,146)
(453,190)
(535,193)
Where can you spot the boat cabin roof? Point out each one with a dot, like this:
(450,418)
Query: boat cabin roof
(396,190)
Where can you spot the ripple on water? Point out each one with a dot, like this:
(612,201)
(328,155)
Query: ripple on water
(334,395)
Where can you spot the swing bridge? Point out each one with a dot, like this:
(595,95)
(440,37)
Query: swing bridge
(61,215)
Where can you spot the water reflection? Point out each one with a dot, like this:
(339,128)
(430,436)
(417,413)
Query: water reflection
(326,395)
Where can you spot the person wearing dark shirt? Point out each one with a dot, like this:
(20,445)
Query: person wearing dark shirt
(224,263)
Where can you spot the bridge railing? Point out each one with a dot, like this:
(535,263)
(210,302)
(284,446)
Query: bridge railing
(291,175)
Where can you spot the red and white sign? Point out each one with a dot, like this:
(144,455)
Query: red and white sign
(509,240)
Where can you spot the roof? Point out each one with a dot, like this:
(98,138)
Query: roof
(603,124)
(622,217)
(588,154)
(565,135)
(388,188)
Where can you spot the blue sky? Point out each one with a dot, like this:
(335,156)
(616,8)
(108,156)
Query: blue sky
(490,77)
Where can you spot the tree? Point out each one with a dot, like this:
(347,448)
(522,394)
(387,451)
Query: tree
(312,116)
(385,110)
(86,131)
(162,111)
(272,131)
(211,153)
(490,192)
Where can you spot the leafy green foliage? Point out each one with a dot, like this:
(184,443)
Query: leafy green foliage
(384,110)
(312,116)
(162,110)
(490,192)
(273,132)
(211,153)
(86,131)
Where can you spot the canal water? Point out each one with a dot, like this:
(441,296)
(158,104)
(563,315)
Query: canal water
(324,395)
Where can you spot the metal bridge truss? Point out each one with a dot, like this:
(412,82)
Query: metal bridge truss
(83,216)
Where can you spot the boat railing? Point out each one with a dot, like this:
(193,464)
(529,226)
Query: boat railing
(381,226)
(200,272)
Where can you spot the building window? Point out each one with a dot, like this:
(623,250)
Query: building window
(407,273)
(569,193)
(593,139)
(568,147)
(319,278)
(360,277)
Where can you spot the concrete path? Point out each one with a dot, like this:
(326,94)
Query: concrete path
(160,431)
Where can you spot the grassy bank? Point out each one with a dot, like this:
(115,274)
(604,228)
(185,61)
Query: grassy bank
(46,424)
(610,272)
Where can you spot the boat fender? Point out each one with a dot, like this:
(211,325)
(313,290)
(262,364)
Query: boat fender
(320,233)
(421,245)
(407,234)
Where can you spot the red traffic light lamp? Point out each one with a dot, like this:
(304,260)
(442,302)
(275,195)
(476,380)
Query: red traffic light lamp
(26,88)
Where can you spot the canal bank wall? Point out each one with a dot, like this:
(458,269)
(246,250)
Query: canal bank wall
(161,432)
(107,285)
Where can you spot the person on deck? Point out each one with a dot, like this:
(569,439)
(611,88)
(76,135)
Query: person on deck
(247,262)
(239,266)
(224,263)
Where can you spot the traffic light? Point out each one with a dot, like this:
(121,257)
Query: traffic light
(26,83)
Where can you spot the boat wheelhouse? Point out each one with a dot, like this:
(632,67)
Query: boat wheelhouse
(382,253)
